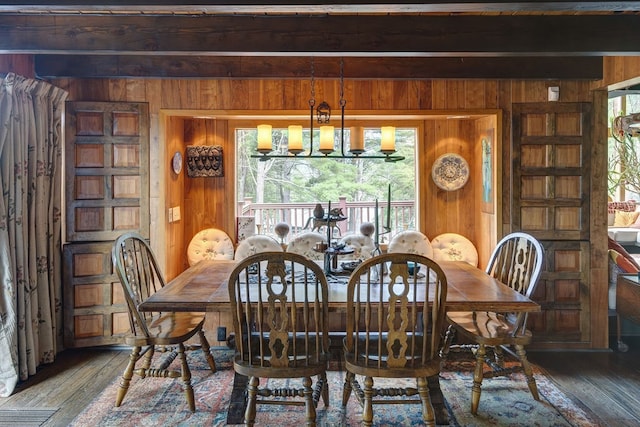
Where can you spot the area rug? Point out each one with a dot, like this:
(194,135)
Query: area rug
(504,402)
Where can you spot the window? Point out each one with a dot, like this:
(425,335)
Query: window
(287,190)
(624,149)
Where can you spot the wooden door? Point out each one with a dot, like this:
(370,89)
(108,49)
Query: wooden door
(107,170)
(106,194)
(551,187)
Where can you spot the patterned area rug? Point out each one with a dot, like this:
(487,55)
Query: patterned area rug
(504,402)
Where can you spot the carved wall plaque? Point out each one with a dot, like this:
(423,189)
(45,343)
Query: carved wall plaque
(204,161)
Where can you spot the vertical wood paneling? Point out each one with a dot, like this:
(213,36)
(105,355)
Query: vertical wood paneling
(439,95)
(196,217)
(271,94)
(598,245)
(474,94)
(22,65)
(359,95)
(174,196)
(449,136)
(400,94)
(505,103)
(619,71)
(491,91)
(117,89)
(485,234)
(135,89)
(456,94)
(296,95)
(211,92)
(427,191)
(420,95)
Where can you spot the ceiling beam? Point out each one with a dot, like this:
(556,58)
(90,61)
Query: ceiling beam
(313,6)
(108,66)
(327,35)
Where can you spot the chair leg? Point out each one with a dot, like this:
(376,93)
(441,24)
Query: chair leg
(498,355)
(477,379)
(446,344)
(147,358)
(367,409)
(252,393)
(127,375)
(428,413)
(346,388)
(325,389)
(309,404)
(186,378)
(207,351)
(528,372)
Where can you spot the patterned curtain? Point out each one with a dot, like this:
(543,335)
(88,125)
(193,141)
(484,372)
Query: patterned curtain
(31,144)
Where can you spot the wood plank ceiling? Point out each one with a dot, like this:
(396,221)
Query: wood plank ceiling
(276,39)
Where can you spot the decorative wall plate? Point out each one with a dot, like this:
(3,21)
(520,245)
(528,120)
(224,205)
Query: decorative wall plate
(450,172)
(176,162)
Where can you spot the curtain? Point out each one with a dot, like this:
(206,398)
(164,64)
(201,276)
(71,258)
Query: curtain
(31,144)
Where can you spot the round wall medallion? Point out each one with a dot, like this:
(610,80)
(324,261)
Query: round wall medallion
(450,172)
(176,162)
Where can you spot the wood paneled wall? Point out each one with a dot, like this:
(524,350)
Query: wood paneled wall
(619,71)
(168,97)
(18,64)
(488,215)
(176,241)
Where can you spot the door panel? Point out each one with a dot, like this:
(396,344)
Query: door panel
(551,179)
(107,174)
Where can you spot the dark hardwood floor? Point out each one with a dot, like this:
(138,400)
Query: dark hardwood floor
(607,382)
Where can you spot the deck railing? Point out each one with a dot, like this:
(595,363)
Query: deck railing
(299,216)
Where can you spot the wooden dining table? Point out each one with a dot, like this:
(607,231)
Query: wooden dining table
(203,288)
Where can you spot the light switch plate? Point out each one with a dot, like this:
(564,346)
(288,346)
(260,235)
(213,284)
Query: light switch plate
(176,213)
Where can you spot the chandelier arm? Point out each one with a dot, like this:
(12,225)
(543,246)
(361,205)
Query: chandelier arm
(385,157)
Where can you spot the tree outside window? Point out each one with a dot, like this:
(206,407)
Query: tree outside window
(624,151)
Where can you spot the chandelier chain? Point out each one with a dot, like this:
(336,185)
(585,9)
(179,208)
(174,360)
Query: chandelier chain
(343,102)
(312,100)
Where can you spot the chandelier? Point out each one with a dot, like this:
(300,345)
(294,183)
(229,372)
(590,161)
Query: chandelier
(327,135)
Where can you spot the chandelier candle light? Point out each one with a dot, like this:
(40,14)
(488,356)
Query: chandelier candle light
(327,135)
